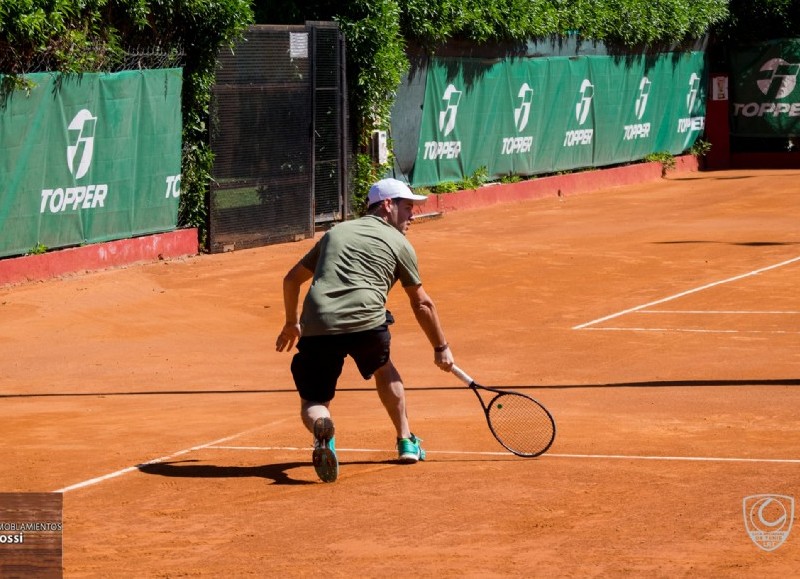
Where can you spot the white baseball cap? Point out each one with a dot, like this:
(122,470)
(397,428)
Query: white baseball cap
(392,189)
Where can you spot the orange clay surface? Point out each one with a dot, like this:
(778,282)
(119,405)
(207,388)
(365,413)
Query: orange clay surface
(659,323)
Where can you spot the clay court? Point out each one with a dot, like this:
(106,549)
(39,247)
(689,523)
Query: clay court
(659,323)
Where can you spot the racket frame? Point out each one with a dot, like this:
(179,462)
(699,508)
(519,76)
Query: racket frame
(499,393)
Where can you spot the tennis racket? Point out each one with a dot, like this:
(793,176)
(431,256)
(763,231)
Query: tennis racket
(521,424)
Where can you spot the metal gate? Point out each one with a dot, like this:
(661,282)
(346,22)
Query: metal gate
(278,136)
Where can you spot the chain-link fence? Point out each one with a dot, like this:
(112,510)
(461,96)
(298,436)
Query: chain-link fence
(105,60)
(278,136)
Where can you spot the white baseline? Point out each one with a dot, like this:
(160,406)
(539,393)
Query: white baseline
(546,455)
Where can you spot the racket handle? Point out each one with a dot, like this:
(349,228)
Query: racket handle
(461,375)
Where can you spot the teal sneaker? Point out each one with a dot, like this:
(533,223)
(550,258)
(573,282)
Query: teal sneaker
(324,456)
(409,450)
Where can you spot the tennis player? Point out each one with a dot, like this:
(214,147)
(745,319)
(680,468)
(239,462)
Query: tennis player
(352,268)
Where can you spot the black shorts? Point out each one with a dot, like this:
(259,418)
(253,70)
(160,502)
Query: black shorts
(319,360)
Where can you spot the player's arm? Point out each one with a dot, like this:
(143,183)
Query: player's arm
(292,282)
(428,319)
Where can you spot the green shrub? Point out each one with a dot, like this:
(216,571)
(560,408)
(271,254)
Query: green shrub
(445,187)
(666,159)
(700,148)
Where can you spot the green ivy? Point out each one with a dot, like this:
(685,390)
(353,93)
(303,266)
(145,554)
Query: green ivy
(365,174)
(762,20)
(628,22)
(86,36)
(376,64)
(75,37)
(376,32)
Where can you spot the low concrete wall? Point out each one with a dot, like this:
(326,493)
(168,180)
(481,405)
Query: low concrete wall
(557,185)
(97,256)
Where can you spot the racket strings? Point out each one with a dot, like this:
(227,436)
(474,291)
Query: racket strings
(521,424)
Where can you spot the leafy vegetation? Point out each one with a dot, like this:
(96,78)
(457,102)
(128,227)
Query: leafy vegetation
(627,22)
(474,181)
(700,148)
(666,159)
(95,35)
(74,37)
(377,32)
(37,249)
(751,21)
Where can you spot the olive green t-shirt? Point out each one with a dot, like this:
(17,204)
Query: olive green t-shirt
(355,264)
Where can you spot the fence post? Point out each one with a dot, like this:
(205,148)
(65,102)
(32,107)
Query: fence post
(718,123)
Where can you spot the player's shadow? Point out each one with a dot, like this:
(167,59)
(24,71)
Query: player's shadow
(742,243)
(278,473)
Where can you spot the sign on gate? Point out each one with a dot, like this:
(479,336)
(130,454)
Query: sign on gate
(765,94)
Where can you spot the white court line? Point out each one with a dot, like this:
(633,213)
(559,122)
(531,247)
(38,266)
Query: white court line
(677,458)
(546,455)
(685,293)
(369,450)
(737,312)
(123,471)
(217,444)
(689,330)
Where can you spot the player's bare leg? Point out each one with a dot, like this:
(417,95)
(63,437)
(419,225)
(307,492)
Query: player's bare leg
(393,397)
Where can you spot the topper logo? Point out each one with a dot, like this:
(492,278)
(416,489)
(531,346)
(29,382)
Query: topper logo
(690,123)
(639,130)
(435,150)
(520,144)
(782,78)
(84,123)
(585,102)
(522,113)
(447,117)
(641,100)
(691,96)
(80,150)
(780,83)
(584,105)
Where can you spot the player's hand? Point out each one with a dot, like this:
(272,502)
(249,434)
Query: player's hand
(444,359)
(288,336)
